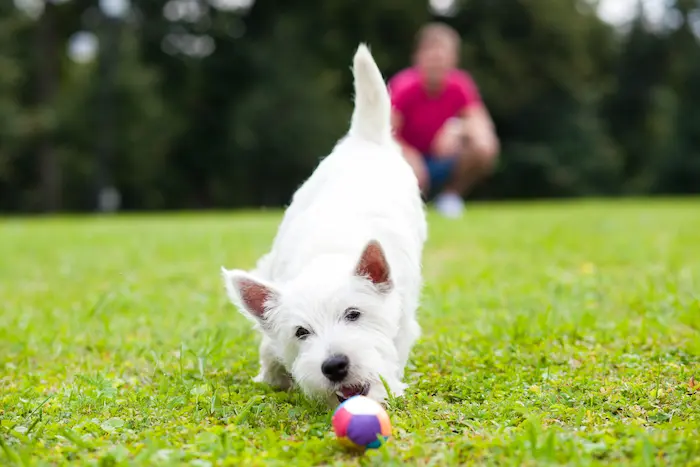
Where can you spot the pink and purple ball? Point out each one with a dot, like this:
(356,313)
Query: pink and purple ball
(360,422)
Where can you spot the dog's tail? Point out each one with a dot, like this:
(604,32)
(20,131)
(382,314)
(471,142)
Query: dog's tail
(371,119)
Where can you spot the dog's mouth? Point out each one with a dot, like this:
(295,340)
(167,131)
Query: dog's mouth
(346,392)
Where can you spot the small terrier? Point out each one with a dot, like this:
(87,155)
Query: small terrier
(335,298)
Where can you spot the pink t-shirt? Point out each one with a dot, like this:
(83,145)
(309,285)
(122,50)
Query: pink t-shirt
(423,115)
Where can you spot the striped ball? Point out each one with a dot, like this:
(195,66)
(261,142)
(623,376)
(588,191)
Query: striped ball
(360,422)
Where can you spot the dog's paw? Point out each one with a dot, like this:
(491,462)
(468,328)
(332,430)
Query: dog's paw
(259,378)
(277,378)
(379,394)
(399,390)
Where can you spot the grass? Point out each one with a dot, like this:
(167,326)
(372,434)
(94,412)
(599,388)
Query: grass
(552,334)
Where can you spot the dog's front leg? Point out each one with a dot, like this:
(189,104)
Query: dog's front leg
(272,371)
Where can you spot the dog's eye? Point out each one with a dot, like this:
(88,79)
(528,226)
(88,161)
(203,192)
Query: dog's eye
(302,333)
(352,314)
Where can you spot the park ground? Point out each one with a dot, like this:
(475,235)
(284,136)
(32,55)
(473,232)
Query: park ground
(560,333)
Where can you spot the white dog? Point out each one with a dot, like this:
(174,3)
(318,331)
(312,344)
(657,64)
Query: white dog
(336,296)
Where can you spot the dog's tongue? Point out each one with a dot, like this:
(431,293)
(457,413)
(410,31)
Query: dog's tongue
(349,391)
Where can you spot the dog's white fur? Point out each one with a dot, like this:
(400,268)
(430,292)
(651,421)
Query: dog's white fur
(352,238)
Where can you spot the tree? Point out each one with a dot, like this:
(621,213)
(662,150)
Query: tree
(222,105)
(679,168)
(16,121)
(542,68)
(641,109)
(144,128)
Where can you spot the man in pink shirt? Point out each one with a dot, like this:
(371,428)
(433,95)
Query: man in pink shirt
(440,120)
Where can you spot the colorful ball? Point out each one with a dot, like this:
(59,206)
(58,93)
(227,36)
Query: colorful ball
(360,421)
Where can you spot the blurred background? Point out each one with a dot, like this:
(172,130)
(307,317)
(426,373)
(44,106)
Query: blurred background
(217,104)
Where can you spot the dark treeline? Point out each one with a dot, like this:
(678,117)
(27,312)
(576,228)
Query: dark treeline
(196,104)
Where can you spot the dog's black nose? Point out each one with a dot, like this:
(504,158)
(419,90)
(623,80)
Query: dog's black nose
(336,368)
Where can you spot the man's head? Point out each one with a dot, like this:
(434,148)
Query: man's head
(436,53)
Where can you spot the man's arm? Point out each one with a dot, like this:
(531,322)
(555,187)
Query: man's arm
(396,124)
(478,125)
(396,121)
(411,154)
(397,95)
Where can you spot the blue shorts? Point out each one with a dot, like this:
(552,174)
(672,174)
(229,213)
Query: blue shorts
(439,170)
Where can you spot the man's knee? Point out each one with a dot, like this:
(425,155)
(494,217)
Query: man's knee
(487,158)
(482,157)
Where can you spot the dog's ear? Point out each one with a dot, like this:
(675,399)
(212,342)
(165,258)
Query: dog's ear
(374,266)
(253,295)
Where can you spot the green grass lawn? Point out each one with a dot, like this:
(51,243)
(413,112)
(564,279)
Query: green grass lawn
(552,334)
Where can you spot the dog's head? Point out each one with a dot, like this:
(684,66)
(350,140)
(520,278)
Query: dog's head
(333,325)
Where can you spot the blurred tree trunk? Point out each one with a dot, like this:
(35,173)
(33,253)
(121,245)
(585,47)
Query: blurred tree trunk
(48,63)
(108,58)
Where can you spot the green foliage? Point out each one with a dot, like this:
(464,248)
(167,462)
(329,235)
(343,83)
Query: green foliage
(542,69)
(680,170)
(269,155)
(581,108)
(16,120)
(572,342)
